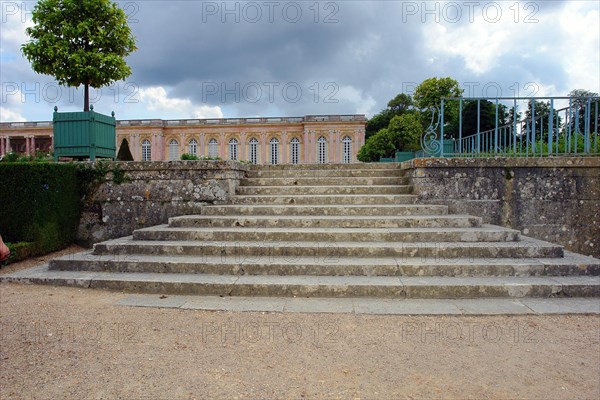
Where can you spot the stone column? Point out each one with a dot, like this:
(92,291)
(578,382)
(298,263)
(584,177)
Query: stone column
(2,150)
(284,147)
(263,148)
(222,152)
(242,151)
(201,149)
(305,142)
(33,144)
(332,146)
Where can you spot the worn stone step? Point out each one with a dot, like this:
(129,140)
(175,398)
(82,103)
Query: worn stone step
(325,173)
(329,166)
(313,210)
(485,233)
(571,264)
(340,199)
(324,190)
(527,247)
(339,221)
(317,286)
(324,181)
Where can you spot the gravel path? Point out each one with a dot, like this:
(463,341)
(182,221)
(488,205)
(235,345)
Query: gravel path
(60,343)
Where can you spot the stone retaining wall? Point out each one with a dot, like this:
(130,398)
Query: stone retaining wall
(153,192)
(555,199)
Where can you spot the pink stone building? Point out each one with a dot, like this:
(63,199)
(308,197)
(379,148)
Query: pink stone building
(282,140)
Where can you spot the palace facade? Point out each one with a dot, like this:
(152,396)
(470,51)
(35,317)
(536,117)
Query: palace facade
(282,140)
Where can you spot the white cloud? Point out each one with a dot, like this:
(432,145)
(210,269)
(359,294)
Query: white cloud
(480,43)
(580,49)
(8,115)
(364,104)
(565,38)
(156,99)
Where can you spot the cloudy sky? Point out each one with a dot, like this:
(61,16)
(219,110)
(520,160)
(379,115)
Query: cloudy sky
(203,59)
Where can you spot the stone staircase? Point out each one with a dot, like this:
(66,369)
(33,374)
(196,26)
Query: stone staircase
(352,230)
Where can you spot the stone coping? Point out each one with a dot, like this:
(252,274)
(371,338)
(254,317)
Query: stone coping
(500,162)
(176,165)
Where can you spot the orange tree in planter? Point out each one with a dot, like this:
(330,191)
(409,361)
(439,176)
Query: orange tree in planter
(80,42)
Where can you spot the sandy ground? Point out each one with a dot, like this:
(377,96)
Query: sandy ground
(68,343)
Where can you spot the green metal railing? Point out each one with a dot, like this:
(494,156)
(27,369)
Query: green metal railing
(545,131)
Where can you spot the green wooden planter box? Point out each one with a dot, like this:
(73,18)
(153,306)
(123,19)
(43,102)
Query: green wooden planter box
(85,134)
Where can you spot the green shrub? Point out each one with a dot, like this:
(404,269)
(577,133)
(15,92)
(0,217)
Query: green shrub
(189,157)
(41,203)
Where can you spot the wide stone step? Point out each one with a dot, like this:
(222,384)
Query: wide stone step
(324,181)
(486,233)
(340,199)
(334,167)
(324,190)
(317,286)
(527,247)
(324,173)
(348,210)
(571,264)
(339,221)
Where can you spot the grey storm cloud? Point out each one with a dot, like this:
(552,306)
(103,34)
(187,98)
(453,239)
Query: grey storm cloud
(345,56)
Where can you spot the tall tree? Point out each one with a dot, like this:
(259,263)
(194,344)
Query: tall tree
(580,104)
(429,94)
(80,42)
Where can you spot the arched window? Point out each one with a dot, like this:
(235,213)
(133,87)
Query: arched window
(254,151)
(213,148)
(295,151)
(146,150)
(274,145)
(193,147)
(233,149)
(322,150)
(346,149)
(173,150)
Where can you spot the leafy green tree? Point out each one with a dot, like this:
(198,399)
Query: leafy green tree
(378,121)
(429,94)
(377,146)
(399,105)
(542,114)
(80,42)
(580,104)
(405,132)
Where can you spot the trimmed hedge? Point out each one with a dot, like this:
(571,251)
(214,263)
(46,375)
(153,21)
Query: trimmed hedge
(39,203)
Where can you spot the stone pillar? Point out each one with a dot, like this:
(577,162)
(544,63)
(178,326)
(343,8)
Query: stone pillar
(201,148)
(284,147)
(222,152)
(263,148)
(332,146)
(305,143)
(33,149)
(2,151)
(27,145)
(182,144)
(242,151)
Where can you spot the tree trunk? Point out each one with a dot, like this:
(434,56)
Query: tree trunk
(86,97)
